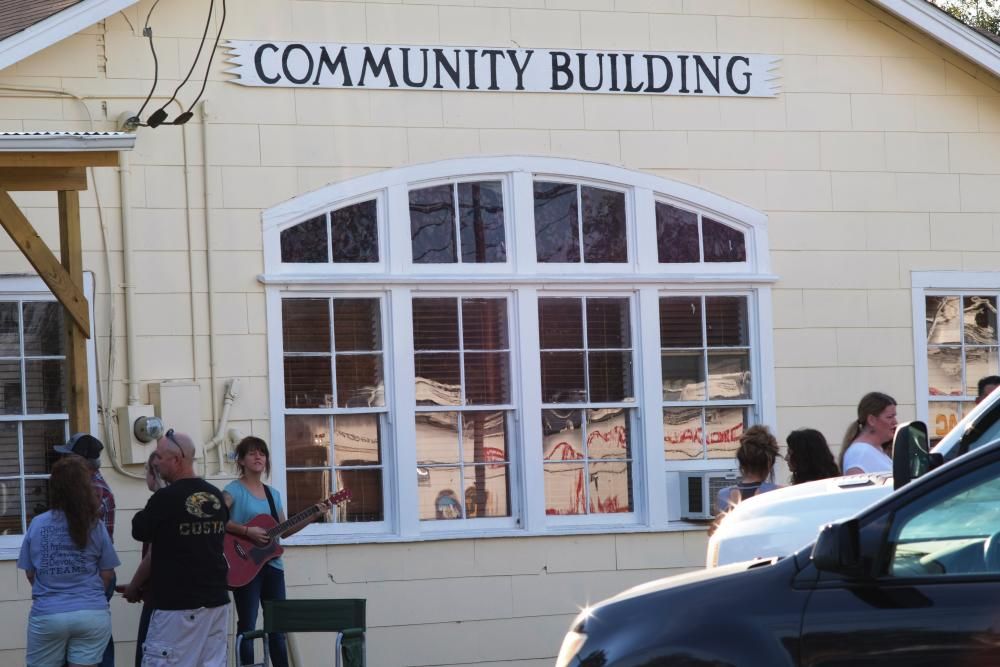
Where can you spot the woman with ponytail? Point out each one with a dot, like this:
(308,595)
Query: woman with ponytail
(876,424)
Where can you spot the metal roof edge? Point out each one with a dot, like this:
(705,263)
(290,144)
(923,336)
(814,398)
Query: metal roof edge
(946,29)
(66,141)
(57,27)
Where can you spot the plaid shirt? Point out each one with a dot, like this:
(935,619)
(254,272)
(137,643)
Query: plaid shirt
(107,499)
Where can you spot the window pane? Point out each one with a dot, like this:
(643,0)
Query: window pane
(676,234)
(944,371)
(610,375)
(728,375)
(560,324)
(608,434)
(723,429)
(680,321)
(10,511)
(308,487)
(9,465)
(366,495)
(563,379)
(608,324)
(432,225)
(726,321)
(356,440)
(484,324)
(357,325)
(43,329)
(486,378)
(307,441)
(480,207)
(722,243)
(979,362)
(683,375)
(564,488)
(306,242)
(944,415)
(438,498)
(355,233)
(10,388)
(682,434)
(435,324)
(305,325)
(562,435)
(437,438)
(39,439)
(45,386)
(980,320)
(610,487)
(359,381)
(484,437)
(437,379)
(557,232)
(308,382)
(487,491)
(36,497)
(942,320)
(604,238)
(9,342)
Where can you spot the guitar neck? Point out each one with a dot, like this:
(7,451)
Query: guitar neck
(292,521)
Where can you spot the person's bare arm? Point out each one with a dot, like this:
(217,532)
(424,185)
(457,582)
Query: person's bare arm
(30,575)
(323,506)
(107,576)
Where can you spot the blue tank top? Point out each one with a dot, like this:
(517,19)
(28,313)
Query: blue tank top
(246,506)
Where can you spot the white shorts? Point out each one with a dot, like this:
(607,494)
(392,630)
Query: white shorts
(195,637)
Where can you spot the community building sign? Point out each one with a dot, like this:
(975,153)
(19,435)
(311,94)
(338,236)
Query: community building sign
(296,64)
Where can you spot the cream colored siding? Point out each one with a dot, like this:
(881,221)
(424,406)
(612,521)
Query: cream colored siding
(878,158)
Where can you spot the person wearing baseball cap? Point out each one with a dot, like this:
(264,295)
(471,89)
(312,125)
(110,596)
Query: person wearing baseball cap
(89,448)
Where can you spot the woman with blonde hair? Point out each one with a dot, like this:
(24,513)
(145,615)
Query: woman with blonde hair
(68,558)
(876,424)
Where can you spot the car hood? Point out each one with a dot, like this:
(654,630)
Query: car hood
(779,522)
(679,580)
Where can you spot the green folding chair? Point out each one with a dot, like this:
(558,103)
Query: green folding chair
(346,617)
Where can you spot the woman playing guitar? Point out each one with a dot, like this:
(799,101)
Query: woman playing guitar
(247,497)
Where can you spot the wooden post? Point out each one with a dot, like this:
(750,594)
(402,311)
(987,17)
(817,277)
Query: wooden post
(71,253)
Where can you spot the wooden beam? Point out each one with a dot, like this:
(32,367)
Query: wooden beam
(70,294)
(71,252)
(21,179)
(59,159)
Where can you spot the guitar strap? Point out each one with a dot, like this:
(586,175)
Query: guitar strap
(270,501)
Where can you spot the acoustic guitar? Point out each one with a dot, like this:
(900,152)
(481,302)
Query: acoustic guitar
(246,557)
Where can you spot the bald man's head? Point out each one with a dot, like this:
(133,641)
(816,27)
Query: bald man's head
(175,452)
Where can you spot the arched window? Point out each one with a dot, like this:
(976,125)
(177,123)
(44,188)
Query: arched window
(512,345)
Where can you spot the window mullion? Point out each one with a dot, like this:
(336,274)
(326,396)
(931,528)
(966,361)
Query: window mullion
(650,497)
(405,509)
(529,426)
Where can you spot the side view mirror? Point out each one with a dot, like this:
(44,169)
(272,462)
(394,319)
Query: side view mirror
(838,549)
(911,456)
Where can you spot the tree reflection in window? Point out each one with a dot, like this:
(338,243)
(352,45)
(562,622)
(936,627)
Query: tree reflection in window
(478,224)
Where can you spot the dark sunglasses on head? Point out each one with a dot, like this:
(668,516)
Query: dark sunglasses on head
(169,435)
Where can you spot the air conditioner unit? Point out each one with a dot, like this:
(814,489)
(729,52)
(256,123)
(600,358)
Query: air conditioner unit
(700,492)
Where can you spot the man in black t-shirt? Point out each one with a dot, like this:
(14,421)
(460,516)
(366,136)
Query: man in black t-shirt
(185,523)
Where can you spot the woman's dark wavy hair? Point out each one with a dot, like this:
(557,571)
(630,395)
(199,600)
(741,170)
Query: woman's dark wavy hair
(757,452)
(252,443)
(72,493)
(809,456)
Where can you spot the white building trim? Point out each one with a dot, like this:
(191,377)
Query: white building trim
(56,28)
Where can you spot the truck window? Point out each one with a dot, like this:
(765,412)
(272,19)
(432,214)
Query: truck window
(953,530)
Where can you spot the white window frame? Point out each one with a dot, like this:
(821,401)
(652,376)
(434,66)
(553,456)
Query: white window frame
(939,283)
(33,288)
(525,280)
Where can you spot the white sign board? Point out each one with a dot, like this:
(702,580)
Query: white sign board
(456,68)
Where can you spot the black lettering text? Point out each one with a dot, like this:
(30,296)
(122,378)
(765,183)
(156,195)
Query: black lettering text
(258,57)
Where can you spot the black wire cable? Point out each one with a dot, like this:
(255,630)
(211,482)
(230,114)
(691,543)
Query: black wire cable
(148,33)
(194,63)
(208,65)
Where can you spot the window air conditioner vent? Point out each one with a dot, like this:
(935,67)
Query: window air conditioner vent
(700,490)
